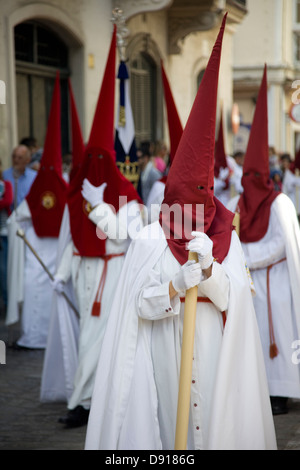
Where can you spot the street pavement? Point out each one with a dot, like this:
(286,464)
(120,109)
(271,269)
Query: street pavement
(27,424)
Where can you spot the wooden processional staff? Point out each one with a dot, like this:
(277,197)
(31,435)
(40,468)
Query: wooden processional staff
(187,353)
(21,234)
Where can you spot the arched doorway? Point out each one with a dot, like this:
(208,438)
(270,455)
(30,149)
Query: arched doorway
(39,53)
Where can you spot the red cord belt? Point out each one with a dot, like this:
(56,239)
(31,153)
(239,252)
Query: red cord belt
(273,347)
(207,301)
(96,309)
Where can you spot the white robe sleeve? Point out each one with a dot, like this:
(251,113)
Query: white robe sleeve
(154,302)
(216,287)
(266,251)
(118,226)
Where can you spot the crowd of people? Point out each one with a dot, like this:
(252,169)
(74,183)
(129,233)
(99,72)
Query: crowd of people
(114,287)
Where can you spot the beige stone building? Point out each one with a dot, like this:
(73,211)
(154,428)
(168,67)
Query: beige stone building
(270,33)
(37,37)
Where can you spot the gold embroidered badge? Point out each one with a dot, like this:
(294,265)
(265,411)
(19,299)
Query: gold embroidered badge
(48,200)
(87,208)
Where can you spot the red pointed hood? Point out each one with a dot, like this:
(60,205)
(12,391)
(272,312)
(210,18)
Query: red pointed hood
(191,177)
(175,126)
(99,166)
(47,196)
(255,202)
(77,138)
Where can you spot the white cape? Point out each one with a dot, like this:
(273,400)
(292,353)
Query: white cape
(285,209)
(29,289)
(241,418)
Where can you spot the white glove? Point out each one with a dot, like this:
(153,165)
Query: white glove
(58,284)
(188,276)
(202,245)
(224,173)
(93,194)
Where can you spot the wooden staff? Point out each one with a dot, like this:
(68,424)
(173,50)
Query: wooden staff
(187,353)
(21,234)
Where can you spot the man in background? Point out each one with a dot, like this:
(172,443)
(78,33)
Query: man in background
(19,174)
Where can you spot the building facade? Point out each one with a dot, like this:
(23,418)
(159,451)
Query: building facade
(73,36)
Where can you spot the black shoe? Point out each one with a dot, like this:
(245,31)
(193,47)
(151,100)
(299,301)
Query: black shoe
(18,347)
(279,405)
(75,418)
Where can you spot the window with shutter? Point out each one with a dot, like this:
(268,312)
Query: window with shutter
(39,52)
(143,84)
(146,88)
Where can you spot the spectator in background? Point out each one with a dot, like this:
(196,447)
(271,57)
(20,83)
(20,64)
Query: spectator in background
(31,143)
(276,177)
(273,159)
(236,176)
(19,174)
(6,199)
(67,164)
(161,156)
(290,182)
(148,173)
(35,152)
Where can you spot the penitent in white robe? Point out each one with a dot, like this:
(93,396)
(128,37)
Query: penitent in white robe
(281,242)
(28,283)
(85,273)
(134,402)
(61,355)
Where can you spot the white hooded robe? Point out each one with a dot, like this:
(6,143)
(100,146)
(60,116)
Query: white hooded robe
(281,242)
(135,394)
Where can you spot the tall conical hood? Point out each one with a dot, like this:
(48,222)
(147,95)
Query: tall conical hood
(99,167)
(77,138)
(191,177)
(102,132)
(175,126)
(255,202)
(193,166)
(47,196)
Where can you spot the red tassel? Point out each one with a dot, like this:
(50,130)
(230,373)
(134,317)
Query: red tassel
(224,319)
(96,309)
(273,350)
